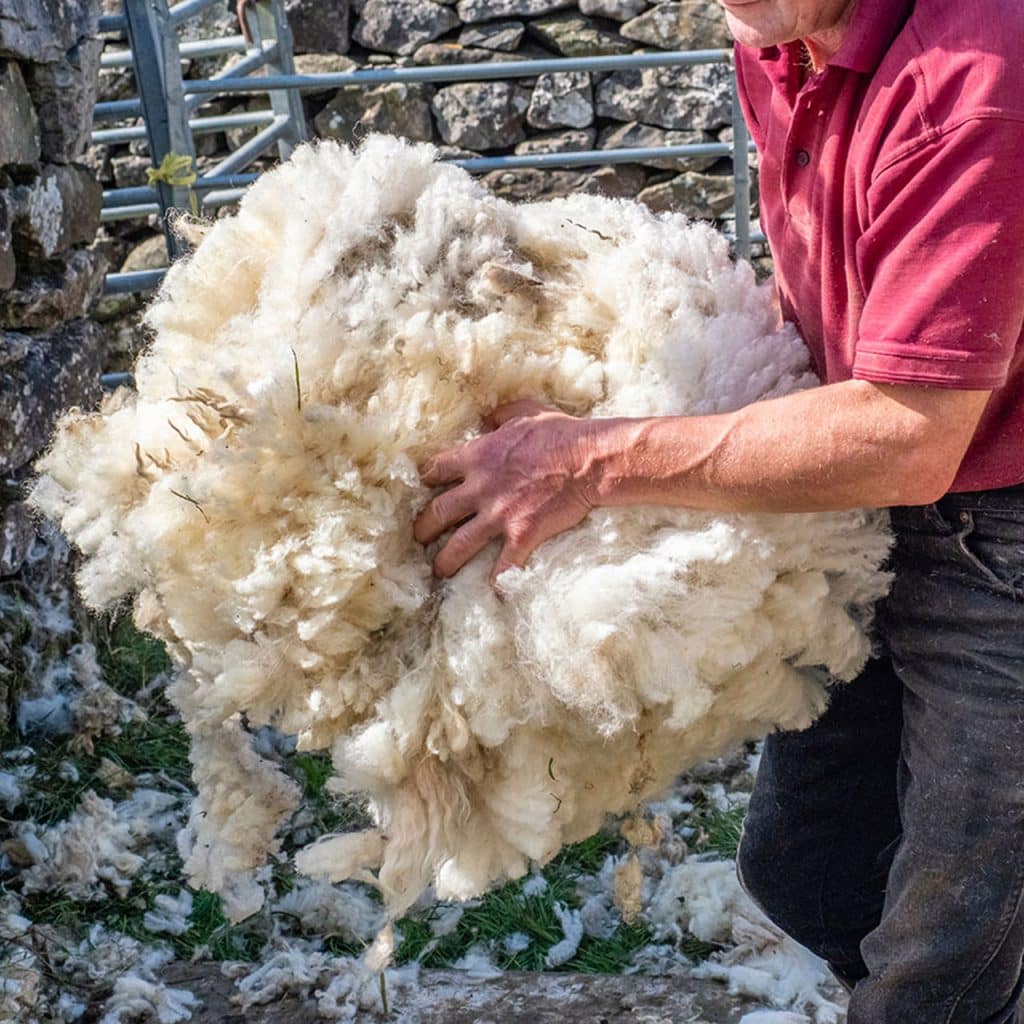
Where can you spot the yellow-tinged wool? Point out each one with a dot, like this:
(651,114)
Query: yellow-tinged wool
(255,497)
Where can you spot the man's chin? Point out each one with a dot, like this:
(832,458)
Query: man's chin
(748,24)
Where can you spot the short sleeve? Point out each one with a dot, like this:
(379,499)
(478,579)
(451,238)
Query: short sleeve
(942,260)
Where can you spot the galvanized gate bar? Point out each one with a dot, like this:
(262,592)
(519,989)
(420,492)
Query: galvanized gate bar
(459,72)
(252,61)
(198,125)
(740,176)
(188,48)
(267,22)
(158,73)
(189,9)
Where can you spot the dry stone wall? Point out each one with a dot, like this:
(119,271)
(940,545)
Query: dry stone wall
(51,354)
(551,113)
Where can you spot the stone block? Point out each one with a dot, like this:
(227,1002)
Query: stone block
(19,125)
(644,136)
(562,100)
(57,210)
(572,141)
(527,184)
(698,196)
(690,25)
(572,35)
(54,371)
(322,64)
(60,289)
(481,115)
(677,98)
(493,35)
(129,170)
(490,10)
(399,26)
(17,532)
(149,254)
(619,10)
(8,266)
(44,30)
(456,53)
(319,26)
(64,94)
(396,108)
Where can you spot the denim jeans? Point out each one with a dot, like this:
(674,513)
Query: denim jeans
(889,836)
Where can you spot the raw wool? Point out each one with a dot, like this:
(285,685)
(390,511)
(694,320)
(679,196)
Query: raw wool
(60,687)
(343,987)
(256,497)
(139,995)
(628,887)
(320,908)
(21,984)
(170,914)
(97,710)
(775,1017)
(107,957)
(477,965)
(100,847)
(10,790)
(572,930)
(705,899)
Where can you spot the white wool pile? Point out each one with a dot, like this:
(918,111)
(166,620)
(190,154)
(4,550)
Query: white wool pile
(319,908)
(761,962)
(343,987)
(22,981)
(107,957)
(99,848)
(359,313)
(170,914)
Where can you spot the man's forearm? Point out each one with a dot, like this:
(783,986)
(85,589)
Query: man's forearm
(841,446)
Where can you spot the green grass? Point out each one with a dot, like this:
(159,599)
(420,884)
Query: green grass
(208,925)
(507,910)
(129,659)
(330,813)
(155,745)
(719,831)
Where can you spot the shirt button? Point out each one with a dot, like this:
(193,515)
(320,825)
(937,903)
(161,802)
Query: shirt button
(803,158)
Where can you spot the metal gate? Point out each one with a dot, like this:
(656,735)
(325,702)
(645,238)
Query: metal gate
(167,103)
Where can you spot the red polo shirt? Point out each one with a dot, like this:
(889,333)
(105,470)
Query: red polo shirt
(892,195)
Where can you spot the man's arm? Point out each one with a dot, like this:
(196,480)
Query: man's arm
(846,445)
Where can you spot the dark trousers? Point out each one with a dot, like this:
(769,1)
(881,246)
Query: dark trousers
(889,837)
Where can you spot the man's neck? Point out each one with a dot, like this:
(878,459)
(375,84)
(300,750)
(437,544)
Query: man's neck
(822,46)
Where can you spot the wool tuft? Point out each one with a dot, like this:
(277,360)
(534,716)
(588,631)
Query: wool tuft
(254,499)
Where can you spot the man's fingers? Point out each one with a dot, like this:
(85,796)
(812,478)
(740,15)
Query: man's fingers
(444,512)
(443,468)
(512,556)
(465,543)
(509,411)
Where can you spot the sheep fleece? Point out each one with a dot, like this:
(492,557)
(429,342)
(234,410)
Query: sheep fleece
(255,497)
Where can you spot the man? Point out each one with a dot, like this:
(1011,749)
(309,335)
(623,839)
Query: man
(888,837)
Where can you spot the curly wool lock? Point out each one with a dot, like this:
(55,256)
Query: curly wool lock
(360,312)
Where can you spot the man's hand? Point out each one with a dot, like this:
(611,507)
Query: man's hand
(527,480)
(846,445)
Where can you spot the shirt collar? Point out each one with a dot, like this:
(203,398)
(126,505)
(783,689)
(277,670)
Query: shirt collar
(875,24)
